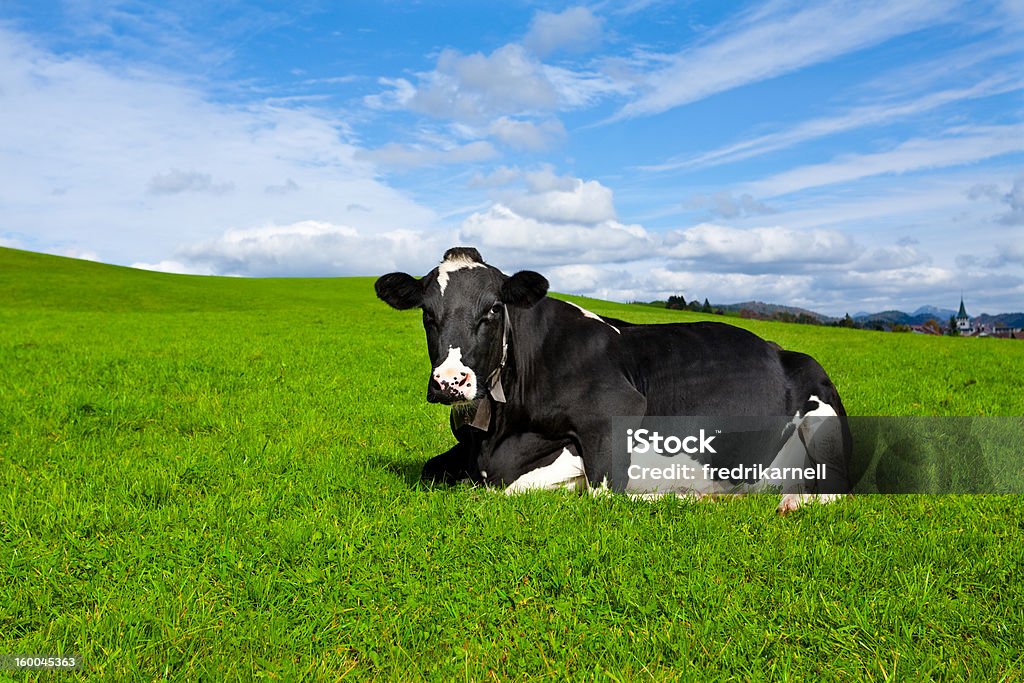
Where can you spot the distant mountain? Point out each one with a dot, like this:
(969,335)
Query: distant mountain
(882,319)
(935,312)
(1008,319)
(942,315)
(768,310)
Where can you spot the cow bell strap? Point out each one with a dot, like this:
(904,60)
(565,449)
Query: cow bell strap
(494,380)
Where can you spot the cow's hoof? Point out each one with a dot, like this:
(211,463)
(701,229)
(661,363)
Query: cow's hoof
(792,501)
(789,503)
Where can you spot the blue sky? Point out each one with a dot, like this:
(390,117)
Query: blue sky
(842,156)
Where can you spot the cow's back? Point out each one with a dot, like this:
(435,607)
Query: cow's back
(707,369)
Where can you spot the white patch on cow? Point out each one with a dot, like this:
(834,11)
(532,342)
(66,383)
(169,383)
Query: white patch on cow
(823,408)
(793,454)
(595,316)
(566,472)
(451,265)
(452,373)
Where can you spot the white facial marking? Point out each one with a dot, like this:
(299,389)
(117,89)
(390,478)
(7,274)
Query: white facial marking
(595,316)
(566,472)
(449,266)
(454,376)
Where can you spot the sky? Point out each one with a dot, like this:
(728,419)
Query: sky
(839,156)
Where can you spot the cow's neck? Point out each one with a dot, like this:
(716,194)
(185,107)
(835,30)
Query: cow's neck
(526,328)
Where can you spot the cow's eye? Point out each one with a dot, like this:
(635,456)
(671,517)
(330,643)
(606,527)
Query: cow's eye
(493,313)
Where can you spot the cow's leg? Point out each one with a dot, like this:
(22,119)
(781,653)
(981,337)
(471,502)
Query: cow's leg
(603,467)
(824,436)
(528,460)
(457,464)
(566,472)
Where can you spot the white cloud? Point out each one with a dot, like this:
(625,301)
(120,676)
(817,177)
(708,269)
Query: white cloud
(412,156)
(398,97)
(1014,199)
(959,147)
(775,39)
(477,87)
(895,280)
(527,135)
(715,247)
(499,177)
(311,249)
(287,187)
(172,266)
(852,119)
(80,143)
(556,220)
(176,182)
(721,288)
(563,199)
(890,257)
(524,239)
(574,30)
(727,205)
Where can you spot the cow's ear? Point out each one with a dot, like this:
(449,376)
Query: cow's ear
(524,289)
(399,290)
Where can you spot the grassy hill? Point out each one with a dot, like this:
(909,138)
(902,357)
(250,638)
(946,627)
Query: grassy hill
(217,478)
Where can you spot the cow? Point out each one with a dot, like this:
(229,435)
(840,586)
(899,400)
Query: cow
(533,382)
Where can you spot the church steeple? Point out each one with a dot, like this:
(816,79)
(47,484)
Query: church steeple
(963,321)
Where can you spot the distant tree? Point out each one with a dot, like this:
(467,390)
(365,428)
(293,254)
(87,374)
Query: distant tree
(807,319)
(676,302)
(933,325)
(953,331)
(847,321)
(706,308)
(694,306)
(783,316)
(900,327)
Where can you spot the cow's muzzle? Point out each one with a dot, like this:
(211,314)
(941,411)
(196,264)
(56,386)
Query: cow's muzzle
(447,392)
(452,381)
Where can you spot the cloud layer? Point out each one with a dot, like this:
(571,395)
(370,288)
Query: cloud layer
(831,154)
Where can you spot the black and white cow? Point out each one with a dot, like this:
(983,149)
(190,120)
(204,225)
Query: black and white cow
(534,381)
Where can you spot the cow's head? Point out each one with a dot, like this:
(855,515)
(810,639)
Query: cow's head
(464,304)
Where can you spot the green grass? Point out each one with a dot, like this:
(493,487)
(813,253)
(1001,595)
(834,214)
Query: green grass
(214,478)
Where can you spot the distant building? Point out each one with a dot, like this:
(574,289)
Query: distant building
(964,324)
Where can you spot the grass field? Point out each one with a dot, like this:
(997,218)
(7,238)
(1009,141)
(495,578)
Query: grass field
(213,478)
